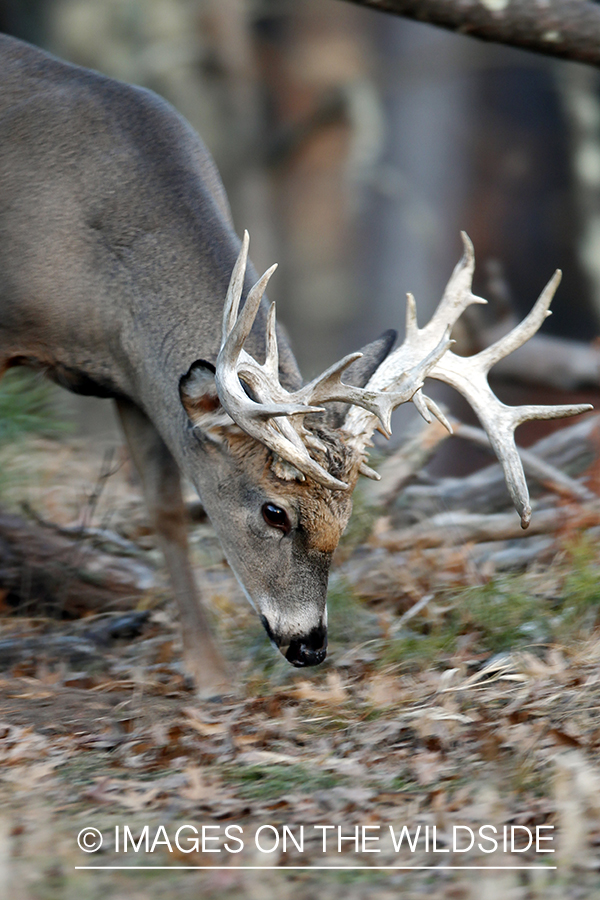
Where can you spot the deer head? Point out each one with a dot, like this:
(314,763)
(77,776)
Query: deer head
(284,463)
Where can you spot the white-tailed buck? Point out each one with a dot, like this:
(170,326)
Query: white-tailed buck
(116,258)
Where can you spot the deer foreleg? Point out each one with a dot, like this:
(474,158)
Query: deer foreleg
(162,492)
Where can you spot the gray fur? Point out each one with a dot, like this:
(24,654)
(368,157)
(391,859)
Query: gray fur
(116,248)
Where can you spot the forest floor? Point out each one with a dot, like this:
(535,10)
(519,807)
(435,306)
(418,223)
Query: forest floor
(454,696)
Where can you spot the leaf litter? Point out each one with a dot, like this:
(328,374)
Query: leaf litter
(459,690)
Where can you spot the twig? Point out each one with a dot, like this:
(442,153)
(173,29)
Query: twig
(413,611)
(97,536)
(106,472)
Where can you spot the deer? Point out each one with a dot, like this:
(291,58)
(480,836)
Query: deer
(122,276)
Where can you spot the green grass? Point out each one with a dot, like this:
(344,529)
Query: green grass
(25,406)
(401,783)
(360,526)
(509,613)
(503,615)
(259,782)
(349,620)
(421,651)
(580,596)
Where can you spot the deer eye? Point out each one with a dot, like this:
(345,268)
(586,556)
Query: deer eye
(276,517)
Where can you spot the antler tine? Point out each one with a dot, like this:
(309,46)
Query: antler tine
(526,329)
(425,406)
(500,422)
(272,354)
(233,361)
(265,418)
(411,327)
(274,416)
(469,376)
(234,291)
(232,346)
(420,341)
(458,294)
(264,410)
(329,386)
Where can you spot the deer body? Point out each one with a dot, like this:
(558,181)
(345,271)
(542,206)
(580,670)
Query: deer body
(116,248)
(116,251)
(117,243)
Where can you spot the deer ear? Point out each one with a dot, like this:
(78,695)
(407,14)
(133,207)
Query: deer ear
(198,394)
(359,373)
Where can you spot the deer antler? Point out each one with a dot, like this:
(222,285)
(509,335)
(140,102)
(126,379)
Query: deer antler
(254,398)
(468,374)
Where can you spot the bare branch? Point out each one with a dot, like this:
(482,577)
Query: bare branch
(457,528)
(569,29)
(547,474)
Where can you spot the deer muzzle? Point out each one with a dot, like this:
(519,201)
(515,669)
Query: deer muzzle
(302,650)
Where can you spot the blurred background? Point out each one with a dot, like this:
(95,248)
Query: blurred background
(355,146)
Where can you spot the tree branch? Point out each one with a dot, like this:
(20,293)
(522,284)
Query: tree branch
(569,29)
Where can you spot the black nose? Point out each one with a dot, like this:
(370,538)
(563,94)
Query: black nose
(310,650)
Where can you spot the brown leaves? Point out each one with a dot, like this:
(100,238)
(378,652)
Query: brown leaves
(457,732)
(333,694)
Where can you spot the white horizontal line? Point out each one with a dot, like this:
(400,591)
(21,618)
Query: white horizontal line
(325,868)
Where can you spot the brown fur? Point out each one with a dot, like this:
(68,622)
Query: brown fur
(323,513)
(199,406)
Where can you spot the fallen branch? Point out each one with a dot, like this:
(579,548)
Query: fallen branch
(104,538)
(547,475)
(456,528)
(79,651)
(406,461)
(50,574)
(573,448)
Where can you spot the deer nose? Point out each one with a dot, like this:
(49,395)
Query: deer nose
(308,651)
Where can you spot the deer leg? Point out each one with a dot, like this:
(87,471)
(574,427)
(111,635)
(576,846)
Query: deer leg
(162,492)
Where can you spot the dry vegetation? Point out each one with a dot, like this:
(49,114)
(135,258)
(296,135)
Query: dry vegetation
(462,687)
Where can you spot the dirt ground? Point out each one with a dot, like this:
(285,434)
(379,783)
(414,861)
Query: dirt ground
(99,729)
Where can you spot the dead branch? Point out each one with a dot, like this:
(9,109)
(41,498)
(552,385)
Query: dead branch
(50,574)
(456,528)
(568,29)
(403,463)
(103,538)
(572,450)
(545,473)
(547,361)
